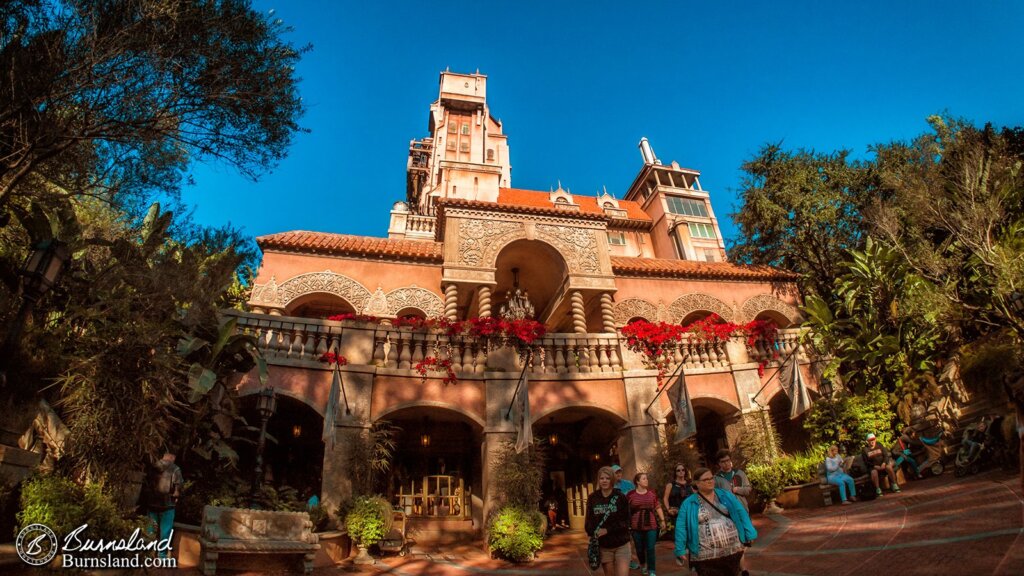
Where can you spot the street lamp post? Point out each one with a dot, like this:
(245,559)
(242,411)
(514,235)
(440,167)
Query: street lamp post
(266,405)
(41,270)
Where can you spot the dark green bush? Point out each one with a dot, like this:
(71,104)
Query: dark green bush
(515,534)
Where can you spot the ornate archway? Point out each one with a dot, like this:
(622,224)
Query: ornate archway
(688,303)
(283,295)
(777,309)
(634,308)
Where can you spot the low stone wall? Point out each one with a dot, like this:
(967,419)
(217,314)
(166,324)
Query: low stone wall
(335,546)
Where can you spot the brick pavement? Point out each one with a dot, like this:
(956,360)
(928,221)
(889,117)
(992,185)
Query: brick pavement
(945,525)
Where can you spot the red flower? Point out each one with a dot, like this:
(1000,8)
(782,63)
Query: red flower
(332,358)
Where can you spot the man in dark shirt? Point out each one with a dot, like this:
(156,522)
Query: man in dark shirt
(877,460)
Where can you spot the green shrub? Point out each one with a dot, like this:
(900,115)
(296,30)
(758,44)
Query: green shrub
(789,470)
(369,520)
(63,505)
(515,533)
(767,479)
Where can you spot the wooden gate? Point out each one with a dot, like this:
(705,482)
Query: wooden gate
(577,498)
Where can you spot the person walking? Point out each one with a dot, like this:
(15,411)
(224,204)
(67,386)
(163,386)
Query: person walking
(731,479)
(712,529)
(835,474)
(608,520)
(163,489)
(675,492)
(646,516)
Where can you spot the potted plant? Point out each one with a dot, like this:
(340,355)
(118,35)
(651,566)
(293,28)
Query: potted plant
(368,521)
(769,480)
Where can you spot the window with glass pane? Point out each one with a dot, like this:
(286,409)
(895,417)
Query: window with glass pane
(701,230)
(617,238)
(687,206)
(465,128)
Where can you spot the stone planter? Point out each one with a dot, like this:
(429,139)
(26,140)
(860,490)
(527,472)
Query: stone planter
(364,557)
(800,496)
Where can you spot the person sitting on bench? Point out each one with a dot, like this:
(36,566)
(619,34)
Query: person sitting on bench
(877,460)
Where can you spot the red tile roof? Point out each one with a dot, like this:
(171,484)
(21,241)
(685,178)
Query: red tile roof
(587,204)
(622,265)
(324,243)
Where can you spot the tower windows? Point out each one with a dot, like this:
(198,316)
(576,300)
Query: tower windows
(465,129)
(490,154)
(701,230)
(686,206)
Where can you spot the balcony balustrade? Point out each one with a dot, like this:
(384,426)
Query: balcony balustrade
(302,341)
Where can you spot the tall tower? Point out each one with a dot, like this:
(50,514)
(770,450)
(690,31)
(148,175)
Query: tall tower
(466,155)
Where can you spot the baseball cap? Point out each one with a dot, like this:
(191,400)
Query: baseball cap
(616,467)
(871,436)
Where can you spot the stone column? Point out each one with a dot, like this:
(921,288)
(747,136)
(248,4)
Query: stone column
(638,444)
(607,315)
(579,315)
(451,302)
(498,430)
(484,299)
(336,486)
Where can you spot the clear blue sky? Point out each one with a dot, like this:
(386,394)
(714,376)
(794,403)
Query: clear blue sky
(577,84)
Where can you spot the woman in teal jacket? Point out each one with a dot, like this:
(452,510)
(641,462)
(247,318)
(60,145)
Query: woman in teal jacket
(712,529)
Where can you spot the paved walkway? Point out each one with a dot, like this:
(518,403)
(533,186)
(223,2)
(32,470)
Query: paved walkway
(945,525)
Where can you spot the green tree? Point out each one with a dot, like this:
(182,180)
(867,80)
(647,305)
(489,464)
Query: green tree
(952,203)
(113,98)
(801,211)
(111,340)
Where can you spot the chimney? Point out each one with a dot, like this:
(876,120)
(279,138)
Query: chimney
(647,152)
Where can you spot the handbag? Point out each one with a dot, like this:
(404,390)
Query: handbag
(594,547)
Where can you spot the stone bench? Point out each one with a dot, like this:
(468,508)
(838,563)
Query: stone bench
(861,482)
(244,531)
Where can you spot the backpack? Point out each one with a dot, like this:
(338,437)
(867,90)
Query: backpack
(164,482)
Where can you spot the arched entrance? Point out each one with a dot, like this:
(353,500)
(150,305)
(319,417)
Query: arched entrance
(294,452)
(578,441)
(793,437)
(436,470)
(713,417)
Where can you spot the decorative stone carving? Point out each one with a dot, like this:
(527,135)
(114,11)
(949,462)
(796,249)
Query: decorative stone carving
(757,304)
(577,245)
(327,282)
(634,308)
(478,239)
(481,240)
(378,304)
(265,293)
(684,305)
(414,297)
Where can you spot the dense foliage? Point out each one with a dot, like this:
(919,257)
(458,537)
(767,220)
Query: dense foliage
(116,98)
(909,258)
(515,533)
(519,477)
(847,419)
(63,505)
